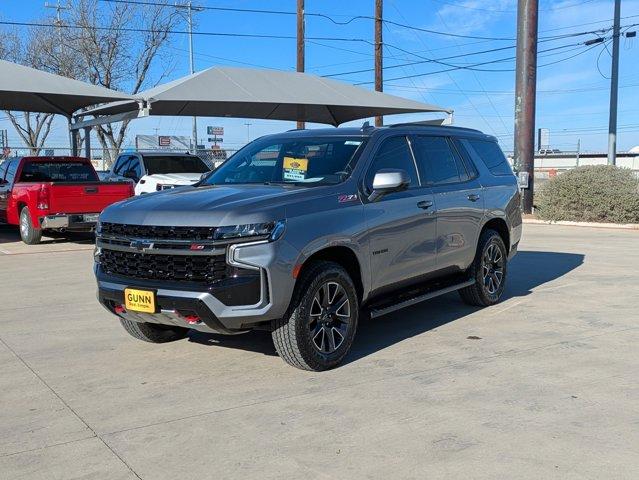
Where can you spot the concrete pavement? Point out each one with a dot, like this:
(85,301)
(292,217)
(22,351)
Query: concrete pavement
(542,385)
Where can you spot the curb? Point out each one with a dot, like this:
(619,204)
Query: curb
(622,226)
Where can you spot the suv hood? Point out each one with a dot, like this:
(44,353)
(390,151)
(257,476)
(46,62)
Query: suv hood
(174,178)
(217,205)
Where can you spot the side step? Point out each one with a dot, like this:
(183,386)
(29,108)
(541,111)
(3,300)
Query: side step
(379,311)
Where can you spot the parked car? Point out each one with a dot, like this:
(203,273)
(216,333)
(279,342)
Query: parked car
(302,233)
(157,171)
(54,193)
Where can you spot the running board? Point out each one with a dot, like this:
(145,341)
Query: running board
(419,298)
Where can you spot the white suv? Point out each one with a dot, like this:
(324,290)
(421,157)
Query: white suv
(157,171)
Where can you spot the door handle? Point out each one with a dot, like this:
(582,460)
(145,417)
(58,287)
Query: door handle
(473,197)
(425,204)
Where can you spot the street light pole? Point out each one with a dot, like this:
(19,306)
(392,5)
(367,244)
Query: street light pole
(614,88)
(248,132)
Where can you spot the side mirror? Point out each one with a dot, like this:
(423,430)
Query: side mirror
(387,181)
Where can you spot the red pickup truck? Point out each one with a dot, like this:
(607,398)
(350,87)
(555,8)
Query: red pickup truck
(54,193)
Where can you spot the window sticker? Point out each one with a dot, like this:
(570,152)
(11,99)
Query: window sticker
(352,142)
(294,169)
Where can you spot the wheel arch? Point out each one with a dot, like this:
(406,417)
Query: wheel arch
(501,227)
(343,256)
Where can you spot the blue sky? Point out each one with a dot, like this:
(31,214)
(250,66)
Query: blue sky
(573,93)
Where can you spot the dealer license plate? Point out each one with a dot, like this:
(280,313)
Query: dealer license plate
(139,300)
(90,217)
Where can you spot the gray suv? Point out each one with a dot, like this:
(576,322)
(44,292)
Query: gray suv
(303,233)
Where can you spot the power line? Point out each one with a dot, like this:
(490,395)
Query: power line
(310,14)
(489,62)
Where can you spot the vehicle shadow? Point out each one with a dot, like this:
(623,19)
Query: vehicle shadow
(11,234)
(528,270)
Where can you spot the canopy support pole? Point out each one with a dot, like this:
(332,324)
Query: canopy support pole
(87,142)
(73,139)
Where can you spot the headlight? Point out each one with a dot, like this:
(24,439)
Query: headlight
(273,230)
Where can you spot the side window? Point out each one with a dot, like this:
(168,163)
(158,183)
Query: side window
(471,168)
(11,171)
(490,153)
(394,153)
(438,163)
(120,163)
(135,167)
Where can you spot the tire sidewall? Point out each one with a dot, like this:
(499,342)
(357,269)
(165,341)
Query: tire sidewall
(301,315)
(31,236)
(492,238)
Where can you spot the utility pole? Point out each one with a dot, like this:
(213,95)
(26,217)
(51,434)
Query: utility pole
(379,61)
(248,131)
(191,62)
(300,50)
(614,88)
(525,93)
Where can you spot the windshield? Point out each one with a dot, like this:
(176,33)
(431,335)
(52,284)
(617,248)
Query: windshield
(178,164)
(306,161)
(58,172)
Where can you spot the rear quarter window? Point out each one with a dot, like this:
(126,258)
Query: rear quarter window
(490,154)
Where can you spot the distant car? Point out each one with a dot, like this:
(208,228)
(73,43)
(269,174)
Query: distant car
(549,151)
(54,193)
(157,171)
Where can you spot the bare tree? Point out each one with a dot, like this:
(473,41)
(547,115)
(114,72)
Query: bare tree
(118,45)
(33,128)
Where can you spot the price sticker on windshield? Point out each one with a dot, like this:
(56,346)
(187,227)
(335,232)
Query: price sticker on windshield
(294,169)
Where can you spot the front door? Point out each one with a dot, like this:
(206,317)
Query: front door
(401,228)
(458,199)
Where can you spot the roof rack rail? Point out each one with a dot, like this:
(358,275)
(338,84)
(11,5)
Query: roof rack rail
(432,123)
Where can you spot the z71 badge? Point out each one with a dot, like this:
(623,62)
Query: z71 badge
(347,198)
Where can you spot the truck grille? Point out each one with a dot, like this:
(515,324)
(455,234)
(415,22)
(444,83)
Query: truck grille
(191,268)
(157,232)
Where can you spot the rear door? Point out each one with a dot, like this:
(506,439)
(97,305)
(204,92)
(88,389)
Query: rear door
(458,196)
(401,228)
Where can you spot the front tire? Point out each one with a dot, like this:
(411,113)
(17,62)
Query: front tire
(28,233)
(489,271)
(149,332)
(318,330)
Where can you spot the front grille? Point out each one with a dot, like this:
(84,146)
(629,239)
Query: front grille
(191,268)
(157,232)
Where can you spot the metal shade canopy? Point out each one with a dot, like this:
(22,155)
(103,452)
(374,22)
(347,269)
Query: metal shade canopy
(267,94)
(29,90)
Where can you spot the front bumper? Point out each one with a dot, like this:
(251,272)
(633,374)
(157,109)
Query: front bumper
(230,306)
(79,221)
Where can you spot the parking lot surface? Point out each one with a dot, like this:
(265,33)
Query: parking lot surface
(542,385)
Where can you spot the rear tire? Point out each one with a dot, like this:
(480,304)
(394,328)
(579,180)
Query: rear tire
(318,330)
(489,270)
(152,333)
(28,233)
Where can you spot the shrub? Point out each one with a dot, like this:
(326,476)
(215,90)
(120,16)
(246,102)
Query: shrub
(596,193)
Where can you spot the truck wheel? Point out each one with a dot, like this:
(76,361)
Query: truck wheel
(318,330)
(153,333)
(29,234)
(489,271)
